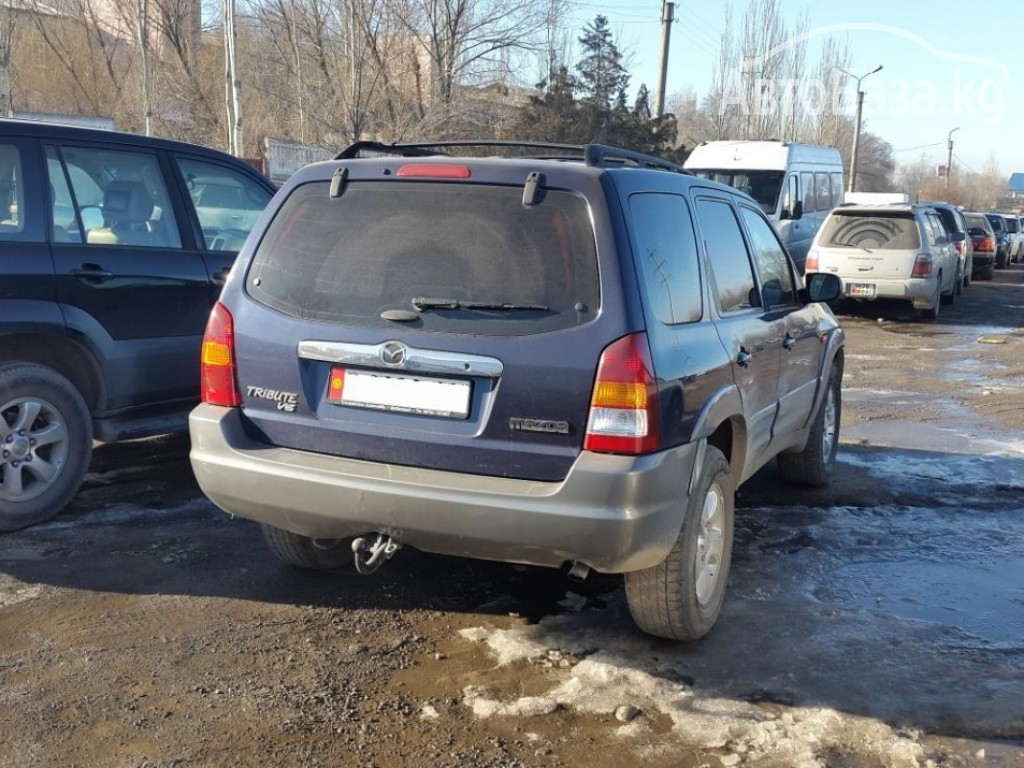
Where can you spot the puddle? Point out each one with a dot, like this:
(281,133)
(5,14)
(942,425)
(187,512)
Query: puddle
(984,602)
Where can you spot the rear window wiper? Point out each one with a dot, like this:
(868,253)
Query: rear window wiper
(421,304)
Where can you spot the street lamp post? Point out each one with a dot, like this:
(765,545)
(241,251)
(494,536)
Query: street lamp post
(949,161)
(852,186)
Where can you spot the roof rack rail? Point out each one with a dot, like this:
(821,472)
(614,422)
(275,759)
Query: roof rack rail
(596,155)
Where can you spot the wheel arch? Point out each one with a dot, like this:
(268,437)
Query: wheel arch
(61,354)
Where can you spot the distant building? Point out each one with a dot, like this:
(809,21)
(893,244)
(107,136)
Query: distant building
(1015,188)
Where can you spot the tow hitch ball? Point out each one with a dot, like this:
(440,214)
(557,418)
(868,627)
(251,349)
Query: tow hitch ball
(369,557)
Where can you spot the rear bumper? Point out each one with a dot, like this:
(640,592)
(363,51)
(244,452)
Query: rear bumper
(613,513)
(919,290)
(983,261)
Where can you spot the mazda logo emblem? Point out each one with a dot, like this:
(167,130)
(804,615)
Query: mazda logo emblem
(392,353)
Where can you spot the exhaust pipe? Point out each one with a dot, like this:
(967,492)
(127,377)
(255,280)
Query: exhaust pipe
(369,557)
(578,571)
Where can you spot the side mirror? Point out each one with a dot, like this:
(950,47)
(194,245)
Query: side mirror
(795,211)
(822,286)
(958,237)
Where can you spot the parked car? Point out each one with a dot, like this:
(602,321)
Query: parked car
(1015,237)
(1002,233)
(796,185)
(109,274)
(983,238)
(890,252)
(482,357)
(953,219)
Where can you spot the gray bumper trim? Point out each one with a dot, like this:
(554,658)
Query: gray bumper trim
(613,513)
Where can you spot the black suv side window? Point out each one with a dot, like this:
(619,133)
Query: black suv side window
(227,203)
(667,251)
(727,255)
(120,198)
(14,210)
(772,262)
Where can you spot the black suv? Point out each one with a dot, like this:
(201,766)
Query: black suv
(114,250)
(572,358)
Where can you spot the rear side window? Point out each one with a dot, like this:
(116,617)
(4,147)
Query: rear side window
(837,189)
(667,254)
(877,231)
(807,182)
(120,198)
(824,194)
(13,206)
(727,254)
(1012,225)
(382,245)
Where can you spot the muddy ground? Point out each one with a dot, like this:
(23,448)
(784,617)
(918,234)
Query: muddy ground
(878,622)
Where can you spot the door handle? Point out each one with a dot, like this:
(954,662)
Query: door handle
(789,342)
(92,273)
(744,358)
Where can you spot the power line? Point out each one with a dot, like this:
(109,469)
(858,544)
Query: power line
(922,146)
(957,159)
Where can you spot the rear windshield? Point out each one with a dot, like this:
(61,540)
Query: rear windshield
(977,225)
(877,231)
(382,245)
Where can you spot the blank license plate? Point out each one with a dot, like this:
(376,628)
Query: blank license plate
(448,398)
(861,289)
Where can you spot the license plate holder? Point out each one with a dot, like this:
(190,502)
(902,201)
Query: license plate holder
(400,393)
(861,290)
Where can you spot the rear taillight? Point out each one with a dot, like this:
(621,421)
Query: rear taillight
(987,244)
(811,264)
(217,369)
(624,411)
(922,266)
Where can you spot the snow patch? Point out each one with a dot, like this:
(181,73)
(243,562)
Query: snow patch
(625,668)
(429,712)
(17,592)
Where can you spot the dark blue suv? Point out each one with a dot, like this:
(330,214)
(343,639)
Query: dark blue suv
(570,358)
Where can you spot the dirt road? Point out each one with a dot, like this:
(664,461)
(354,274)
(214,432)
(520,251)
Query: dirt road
(878,622)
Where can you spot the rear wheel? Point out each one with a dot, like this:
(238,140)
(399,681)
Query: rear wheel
(304,552)
(954,290)
(813,465)
(988,273)
(45,444)
(680,598)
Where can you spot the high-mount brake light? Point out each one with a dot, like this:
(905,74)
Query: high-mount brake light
(624,409)
(435,171)
(217,366)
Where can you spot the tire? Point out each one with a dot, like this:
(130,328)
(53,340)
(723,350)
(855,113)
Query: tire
(932,313)
(45,444)
(304,552)
(988,273)
(814,464)
(968,277)
(954,291)
(680,598)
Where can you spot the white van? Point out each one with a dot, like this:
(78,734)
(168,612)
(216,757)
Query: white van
(795,184)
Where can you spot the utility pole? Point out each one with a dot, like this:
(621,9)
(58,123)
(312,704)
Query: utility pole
(852,186)
(142,35)
(231,94)
(949,162)
(667,17)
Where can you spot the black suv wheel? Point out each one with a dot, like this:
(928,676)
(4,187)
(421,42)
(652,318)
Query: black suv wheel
(45,443)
